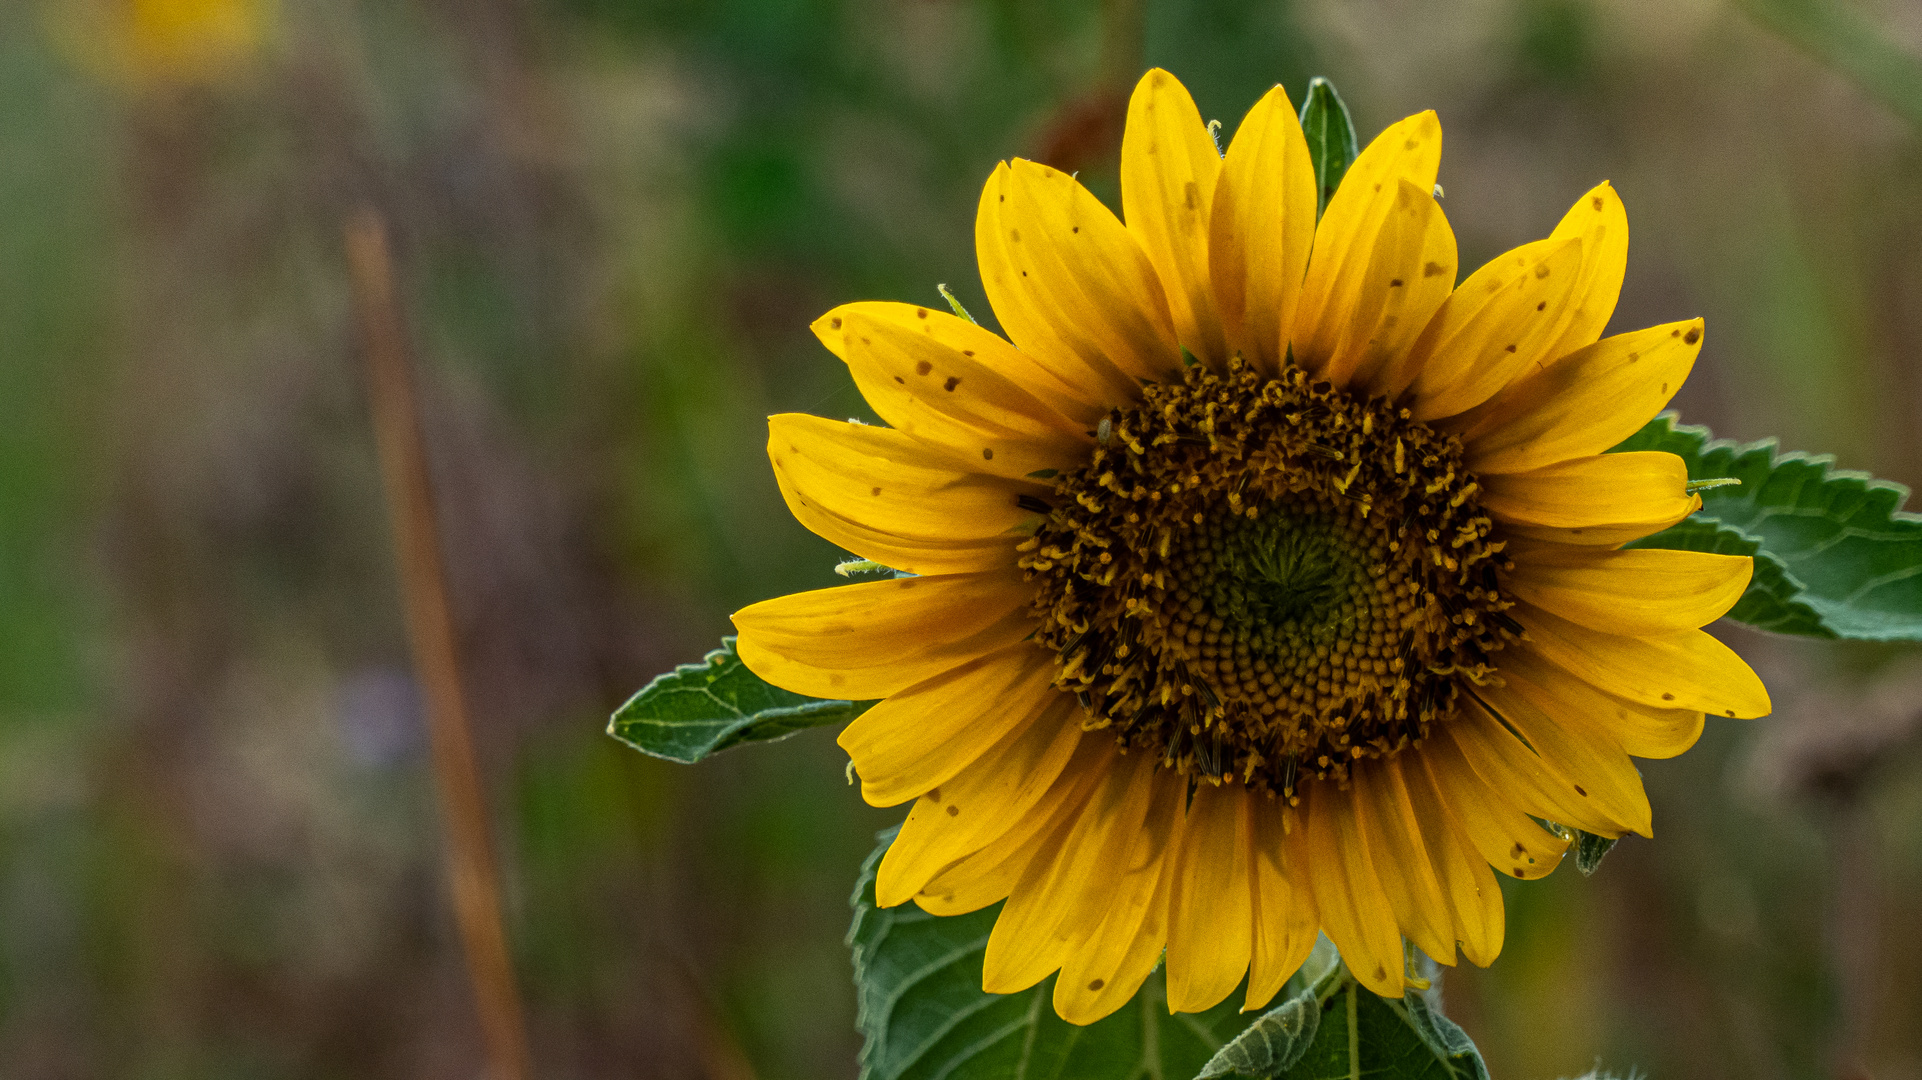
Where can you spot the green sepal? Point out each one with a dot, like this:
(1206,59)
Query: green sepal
(1840,538)
(701,709)
(1331,138)
(1589,850)
(923,1014)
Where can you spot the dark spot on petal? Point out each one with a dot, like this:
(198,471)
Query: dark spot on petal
(1730,712)
(953,810)
(934,794)
(1076,228)
(1541,271)
(1394,283)
(1668,697)
(1694,335)
(920,313)
(1542,305)
(1519,850)
(1634,356)
(1596,202)
(834,323)
(953,381)
(1511,348)
(1377,187)
(987,454)
(877,491)
(1433,268)
(967,352)
(1579,790)
(923,367)
(1381,972)
(900,380)
(1097,984)
(1014,235)
(1674,333)
(1411,144)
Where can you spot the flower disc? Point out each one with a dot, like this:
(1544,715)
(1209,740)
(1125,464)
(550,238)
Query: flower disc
(1265,578)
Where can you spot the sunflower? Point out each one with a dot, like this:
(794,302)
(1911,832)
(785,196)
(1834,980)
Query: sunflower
(1269,583)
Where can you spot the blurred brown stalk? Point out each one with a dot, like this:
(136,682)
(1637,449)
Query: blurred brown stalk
(430,625)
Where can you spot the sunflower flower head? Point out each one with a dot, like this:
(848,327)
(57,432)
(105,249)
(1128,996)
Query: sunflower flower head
(1265,582)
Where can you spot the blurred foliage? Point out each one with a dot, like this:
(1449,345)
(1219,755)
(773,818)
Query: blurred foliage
(616,219)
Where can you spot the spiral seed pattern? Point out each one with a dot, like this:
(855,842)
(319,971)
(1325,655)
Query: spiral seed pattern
(1265,579)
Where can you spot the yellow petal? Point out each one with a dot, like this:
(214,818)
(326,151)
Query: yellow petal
(1413,890)
(1637,592)
(915,555)
(989,875)
(1168,169)
(1211,926)
(876,638)
(1021,303)
(1285,921)
(1071,285)
(1474,899)
(1601,223)
(1104,971)
(1641,730)
(1261,226)
(1354,911)
(1586,402)
(1500,832)
(1059,899)
(1689,670)
(980,804)
(885,496)
(1500,323)
(1589,783)
(904,365)
(1410,275)
(1603,500)
(921,737)
(1345,239)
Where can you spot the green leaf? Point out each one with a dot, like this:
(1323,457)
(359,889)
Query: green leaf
(701,709)
(924,1015)
(1840,536)
(1589,850)
(1331,138)
(1361,1034)
(1279,1037)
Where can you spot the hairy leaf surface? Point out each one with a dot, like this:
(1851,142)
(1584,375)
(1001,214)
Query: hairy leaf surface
(701,709)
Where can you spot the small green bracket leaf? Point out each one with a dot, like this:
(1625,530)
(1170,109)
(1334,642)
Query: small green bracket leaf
(1847,561)
(701,709)
(923,1014)
(1331,138)
(1589,850)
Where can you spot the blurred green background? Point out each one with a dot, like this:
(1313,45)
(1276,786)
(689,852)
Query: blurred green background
(219,854)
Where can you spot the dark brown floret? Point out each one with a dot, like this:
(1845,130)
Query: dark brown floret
(1264,579)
